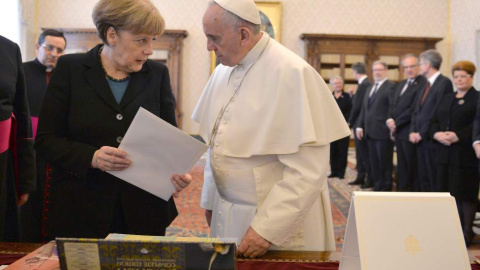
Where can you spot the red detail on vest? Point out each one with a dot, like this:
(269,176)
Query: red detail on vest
(5,130)
(49,73)
(13,146)
(34,125)
(48,170)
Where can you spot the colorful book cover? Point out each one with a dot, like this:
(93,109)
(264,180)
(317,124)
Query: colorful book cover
(132,252)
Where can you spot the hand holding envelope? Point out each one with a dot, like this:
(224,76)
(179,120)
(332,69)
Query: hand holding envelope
(113,159)
(158,154)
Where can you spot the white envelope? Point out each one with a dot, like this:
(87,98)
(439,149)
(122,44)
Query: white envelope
(157,150)
(414,231)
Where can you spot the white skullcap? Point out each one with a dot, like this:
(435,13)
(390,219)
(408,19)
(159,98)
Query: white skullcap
(245,9)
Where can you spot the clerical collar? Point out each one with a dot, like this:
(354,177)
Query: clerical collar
(255,52)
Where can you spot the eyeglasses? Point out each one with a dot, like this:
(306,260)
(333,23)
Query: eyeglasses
(410,67)
(378,69)
(51,48)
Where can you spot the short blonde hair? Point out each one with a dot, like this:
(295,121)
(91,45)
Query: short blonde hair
(335,77)
(136,16)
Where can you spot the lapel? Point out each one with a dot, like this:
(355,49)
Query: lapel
(400,88)
(138,82)
(379,90)
(95,76)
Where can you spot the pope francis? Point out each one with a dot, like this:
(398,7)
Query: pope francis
(269,119)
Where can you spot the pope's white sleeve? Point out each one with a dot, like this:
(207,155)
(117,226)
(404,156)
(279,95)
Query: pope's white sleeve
(290,199)
(209,187)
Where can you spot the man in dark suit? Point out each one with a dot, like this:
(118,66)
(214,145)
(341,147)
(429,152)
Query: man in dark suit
(17,161)
(426,104)
(400,116)
(361,147)
(51,45)
(372,127)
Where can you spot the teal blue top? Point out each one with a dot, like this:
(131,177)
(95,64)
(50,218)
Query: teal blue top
(118,89)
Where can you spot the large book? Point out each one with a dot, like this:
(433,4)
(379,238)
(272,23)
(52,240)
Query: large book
(132,252)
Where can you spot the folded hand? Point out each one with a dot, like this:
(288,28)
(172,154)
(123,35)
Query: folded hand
(110,159)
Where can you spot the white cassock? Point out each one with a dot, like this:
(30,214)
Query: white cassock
(268,162)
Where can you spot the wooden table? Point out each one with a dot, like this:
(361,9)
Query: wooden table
(278,260)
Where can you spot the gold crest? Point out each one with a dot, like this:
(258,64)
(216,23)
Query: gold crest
(412,245)
(461,102)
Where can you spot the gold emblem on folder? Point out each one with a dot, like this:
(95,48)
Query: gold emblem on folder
(412,245)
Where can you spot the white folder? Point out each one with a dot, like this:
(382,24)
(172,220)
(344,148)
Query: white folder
(403,231)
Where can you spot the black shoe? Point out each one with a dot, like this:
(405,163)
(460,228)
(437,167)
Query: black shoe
(366,185)
(357,182)
(332,175)
(341,177)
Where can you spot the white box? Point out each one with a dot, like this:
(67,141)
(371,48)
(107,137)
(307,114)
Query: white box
(414,231)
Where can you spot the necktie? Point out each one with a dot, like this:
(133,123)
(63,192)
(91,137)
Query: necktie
(409,82)
(425,93)
(374,90)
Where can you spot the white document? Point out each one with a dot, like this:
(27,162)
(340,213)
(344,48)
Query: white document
(157,150)
(414,231)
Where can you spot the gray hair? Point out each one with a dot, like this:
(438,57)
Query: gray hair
(335,77)
(235,21)
(433,57)
(360,68)
(409,55)
(378,62)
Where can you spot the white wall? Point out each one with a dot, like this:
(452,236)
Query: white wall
(10,20)
(465,33)
(419,18)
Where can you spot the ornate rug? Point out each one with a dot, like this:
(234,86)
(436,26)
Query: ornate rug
(191,219)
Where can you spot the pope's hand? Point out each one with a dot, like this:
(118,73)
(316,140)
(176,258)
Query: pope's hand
(253,245)
(110,159)
(180,182)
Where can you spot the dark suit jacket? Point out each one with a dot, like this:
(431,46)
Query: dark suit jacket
(423,114)
(450,116)
(403,106)
(36,79)
(357,102)
(373,117)
(476,124)
(78,116)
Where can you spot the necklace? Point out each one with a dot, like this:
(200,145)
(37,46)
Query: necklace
(106,74)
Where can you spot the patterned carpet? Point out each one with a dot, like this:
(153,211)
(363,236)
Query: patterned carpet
(191,220)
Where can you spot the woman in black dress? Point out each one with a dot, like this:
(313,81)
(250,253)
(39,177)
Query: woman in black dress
(339,148)
(457,165)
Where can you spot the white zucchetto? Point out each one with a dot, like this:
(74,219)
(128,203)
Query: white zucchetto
(245,9)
